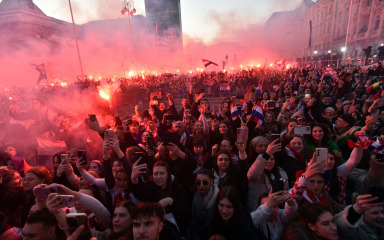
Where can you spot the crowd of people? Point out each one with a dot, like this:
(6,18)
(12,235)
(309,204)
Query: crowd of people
(292,154)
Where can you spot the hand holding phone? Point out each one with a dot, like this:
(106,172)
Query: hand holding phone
(74,221)
(322,156)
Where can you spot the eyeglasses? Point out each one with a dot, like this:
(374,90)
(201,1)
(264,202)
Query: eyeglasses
(318,182)
(204,182)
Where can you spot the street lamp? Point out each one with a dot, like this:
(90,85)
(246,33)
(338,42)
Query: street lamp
(343,49)
(315,52)
(329,51)
(129,6)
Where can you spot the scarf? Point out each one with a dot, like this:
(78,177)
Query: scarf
(310,197)
(292,152)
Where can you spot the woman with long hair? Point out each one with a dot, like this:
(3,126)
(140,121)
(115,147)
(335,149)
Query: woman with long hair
(229,219)
(320,137)
(162,188)
(319,221)
(263,172)
(310,187)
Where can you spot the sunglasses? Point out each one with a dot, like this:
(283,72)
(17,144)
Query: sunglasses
(204,182)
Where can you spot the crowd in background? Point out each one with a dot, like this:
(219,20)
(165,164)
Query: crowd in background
(284,154)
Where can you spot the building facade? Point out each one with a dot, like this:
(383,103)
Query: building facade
(330,29)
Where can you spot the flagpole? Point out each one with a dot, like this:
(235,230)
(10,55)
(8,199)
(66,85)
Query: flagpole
(77,44)
(346,37)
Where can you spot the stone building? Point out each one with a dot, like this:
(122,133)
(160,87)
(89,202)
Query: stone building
(329,20)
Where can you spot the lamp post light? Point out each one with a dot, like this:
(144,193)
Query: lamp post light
(329,51)
(343,49)
(315,52)
(128,6)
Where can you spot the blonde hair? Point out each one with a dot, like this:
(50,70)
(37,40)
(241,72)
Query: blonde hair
(258,140)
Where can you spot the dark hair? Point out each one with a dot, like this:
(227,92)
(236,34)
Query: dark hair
(129,205)
(198,142)
(58,155)
(164,164)
(310,212)
(295,230)
(42,173)
(327,133)
(43,216)
(217,156)
(148,209)
(230,193)
(334,188)
(206,172)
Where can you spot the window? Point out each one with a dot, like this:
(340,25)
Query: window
(377,23)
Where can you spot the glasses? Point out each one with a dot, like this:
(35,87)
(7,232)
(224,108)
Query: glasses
(204,182)
(318,182)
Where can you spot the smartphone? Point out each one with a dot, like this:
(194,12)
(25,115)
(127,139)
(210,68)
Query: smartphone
(82,154)
(64,159)
(72,155)
(377,191)
(151,143)
(241,135)
(172,138)
(322,156)
(109,134)
(67,201)
(92,118)
(43,192)
(278,185)
(302,130)
(274,137)
(74,220)
(154,102)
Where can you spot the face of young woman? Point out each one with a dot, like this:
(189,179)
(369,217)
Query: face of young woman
(270,163)
(30,181)
(223,162)
(297,144)
(198,150)
(199,127)
(325,227)
(122,180)
(56,163)
(160,176)
(121,220)
(316,184)
(317,133)
(330,161)
(94,167)
(145,136)
(226,209)
(116,166)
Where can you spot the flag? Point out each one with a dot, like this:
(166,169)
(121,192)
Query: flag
(280,62)
(225,88)
(234,112)
(378,146)
(330,72)
(43,74)
(207,63)
(259,90)
(257,112)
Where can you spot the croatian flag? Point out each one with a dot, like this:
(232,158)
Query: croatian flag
(257,112)
(208,62)
(330,72)
(280,62)
(224,88)
(234,112)
(259,90)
